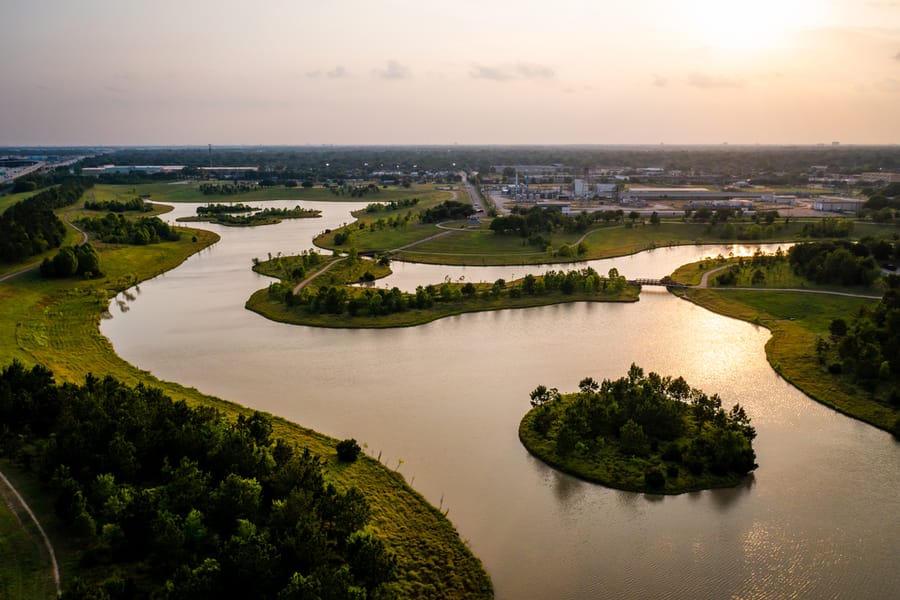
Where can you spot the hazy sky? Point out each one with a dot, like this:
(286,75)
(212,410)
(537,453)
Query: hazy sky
(423,72)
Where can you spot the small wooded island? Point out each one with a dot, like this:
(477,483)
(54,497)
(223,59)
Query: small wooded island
(642,433)
(328,298)
(229,214)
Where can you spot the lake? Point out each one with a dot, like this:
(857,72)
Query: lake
(441,403)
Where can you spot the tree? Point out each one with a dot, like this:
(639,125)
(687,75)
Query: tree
(348,450)
(654,219)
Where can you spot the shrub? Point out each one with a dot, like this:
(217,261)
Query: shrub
(348,450)
(654,479)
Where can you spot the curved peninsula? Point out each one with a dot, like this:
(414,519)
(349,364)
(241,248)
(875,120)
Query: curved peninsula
(331,296)
(642,433)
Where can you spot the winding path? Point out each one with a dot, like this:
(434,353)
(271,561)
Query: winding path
(306,281)
(704,283)
(16,504)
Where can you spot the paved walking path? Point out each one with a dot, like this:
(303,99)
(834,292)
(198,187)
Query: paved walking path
(704,283)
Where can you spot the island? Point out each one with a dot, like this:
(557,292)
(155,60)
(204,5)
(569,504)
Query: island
(642,433)
(224,214)
(335,295)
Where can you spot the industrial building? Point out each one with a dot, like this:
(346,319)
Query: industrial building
(838,205)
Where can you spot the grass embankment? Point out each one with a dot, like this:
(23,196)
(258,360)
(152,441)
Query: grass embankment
(445,299)
(388,229)
(55,323)
(478,245)
(796,320)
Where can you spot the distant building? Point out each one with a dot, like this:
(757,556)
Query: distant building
(880,177)
(228,172)
(126,169)
(580,188)
(839,205)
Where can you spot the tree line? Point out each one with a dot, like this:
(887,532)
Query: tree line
(169,501)
(352,301)
(839,262)
(449,210)
(118,206)
(80,260)
(30,227)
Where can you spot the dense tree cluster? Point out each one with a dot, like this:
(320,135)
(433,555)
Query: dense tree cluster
(352,301)
(392,205)
(866,347)
(354,191)
(448,210)
(30,227)
(659,419)
(73,260)
(116,229)
(217,209)
(843,263)
(828,227)
(117,206)
(266,216)
(176,502)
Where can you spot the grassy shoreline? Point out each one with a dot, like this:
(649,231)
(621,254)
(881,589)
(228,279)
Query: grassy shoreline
(55,323)
(796,320)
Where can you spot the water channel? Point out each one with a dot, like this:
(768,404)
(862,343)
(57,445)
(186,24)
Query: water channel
(441,402)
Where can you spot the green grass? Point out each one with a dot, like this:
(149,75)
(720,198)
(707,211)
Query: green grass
(190,192)
(478,245)
(24,563)
(796,319)
(55,323)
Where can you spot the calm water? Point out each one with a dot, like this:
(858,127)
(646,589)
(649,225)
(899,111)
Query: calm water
(820,518)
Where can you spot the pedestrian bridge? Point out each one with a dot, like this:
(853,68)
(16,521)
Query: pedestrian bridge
(664,282)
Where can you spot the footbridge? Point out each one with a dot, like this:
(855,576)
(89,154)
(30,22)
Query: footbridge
(664,282)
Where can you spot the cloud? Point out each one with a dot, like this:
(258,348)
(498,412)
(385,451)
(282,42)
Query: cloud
(511,72)
(338,72)
(660,81)
(712,82)
(394,71)
(897,56)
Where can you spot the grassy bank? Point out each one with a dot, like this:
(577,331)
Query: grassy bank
(55,323)
(477,245)
(796,320)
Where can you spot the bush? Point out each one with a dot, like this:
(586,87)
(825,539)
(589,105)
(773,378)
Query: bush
(348,450)
(654,479)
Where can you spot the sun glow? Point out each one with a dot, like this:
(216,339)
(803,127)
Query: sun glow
(739,24)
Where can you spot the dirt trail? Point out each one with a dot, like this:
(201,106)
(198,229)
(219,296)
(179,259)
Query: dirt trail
(16,505)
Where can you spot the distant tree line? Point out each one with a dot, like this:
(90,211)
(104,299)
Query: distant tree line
(169,501)
(30,227)
(116,229)
(118,206)
(227,189)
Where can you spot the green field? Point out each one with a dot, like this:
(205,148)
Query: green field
(55,323)
(189,191)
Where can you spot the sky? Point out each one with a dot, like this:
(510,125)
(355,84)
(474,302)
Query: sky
(295,72)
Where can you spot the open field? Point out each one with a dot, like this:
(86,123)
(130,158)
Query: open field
(54,323)
(190,192)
